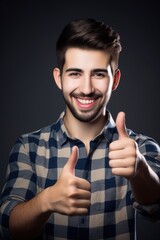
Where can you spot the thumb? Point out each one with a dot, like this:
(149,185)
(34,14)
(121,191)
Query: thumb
(121,125)
(72,161)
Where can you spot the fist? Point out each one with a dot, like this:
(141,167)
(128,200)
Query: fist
(70,195)
(123,153)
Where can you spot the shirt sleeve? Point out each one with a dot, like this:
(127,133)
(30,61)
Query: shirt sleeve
(151,151)
(20,183)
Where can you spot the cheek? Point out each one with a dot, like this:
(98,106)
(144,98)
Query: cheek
(104,87)
(69,86)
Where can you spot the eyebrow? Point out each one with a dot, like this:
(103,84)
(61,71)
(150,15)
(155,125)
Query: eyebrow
(74,69)
(100,70)
(80,70)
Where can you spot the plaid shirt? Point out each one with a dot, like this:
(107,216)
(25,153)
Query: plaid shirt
(36,162)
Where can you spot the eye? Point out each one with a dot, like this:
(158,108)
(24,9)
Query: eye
(74,74)
(99,75)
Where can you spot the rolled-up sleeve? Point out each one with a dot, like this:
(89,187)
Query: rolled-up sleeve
(20,183)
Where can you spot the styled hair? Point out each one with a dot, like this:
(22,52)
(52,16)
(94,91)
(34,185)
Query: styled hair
(88,34)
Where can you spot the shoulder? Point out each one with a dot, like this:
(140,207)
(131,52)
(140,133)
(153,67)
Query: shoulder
(146,144)
(42,134)
(29,142)
(141,138)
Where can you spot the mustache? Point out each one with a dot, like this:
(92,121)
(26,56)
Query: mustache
(90,95)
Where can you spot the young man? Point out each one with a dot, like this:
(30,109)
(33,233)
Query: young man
(84,176)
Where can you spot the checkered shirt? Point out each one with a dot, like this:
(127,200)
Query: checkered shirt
(35,163)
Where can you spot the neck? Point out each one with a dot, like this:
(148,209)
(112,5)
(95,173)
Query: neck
(84,131)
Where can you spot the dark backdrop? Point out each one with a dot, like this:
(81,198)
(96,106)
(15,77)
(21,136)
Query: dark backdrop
(29,97)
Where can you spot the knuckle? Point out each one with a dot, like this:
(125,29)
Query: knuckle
(113,170)
(88,186)
(72,181)
(72,203)
(88,196)
(71,211)
(132,172)
(110,155)
(111,145)
(89,203)
(132,142)
(72,192)
(111,163)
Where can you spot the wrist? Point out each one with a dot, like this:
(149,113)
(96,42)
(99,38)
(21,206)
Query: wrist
(44,201)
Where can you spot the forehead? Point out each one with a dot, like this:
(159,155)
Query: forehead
(86,58)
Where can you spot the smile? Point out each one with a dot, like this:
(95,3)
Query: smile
(85,101)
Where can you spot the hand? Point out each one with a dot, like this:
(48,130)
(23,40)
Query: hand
(124,154)
(70,195)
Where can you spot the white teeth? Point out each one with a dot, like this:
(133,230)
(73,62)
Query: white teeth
(85,101)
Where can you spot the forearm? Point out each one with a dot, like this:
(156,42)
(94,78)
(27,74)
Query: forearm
(69,196)
(145,184)
(27,219)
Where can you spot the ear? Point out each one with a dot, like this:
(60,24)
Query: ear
(57,77)
(116,81)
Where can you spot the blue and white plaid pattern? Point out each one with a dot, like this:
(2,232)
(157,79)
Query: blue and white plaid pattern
(36,162)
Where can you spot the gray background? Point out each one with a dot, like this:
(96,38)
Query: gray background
(29,97)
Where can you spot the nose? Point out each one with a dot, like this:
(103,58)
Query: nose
(86,86)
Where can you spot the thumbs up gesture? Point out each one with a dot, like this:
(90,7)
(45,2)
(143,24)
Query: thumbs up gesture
(123,153)
(70,195)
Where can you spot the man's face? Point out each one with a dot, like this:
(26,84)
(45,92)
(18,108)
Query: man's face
(86,83)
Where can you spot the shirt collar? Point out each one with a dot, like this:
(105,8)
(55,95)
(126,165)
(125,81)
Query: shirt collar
(109,130)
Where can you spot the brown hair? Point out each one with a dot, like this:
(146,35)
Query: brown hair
(88,34)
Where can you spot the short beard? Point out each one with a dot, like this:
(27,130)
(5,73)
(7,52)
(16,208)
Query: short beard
(85,116)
